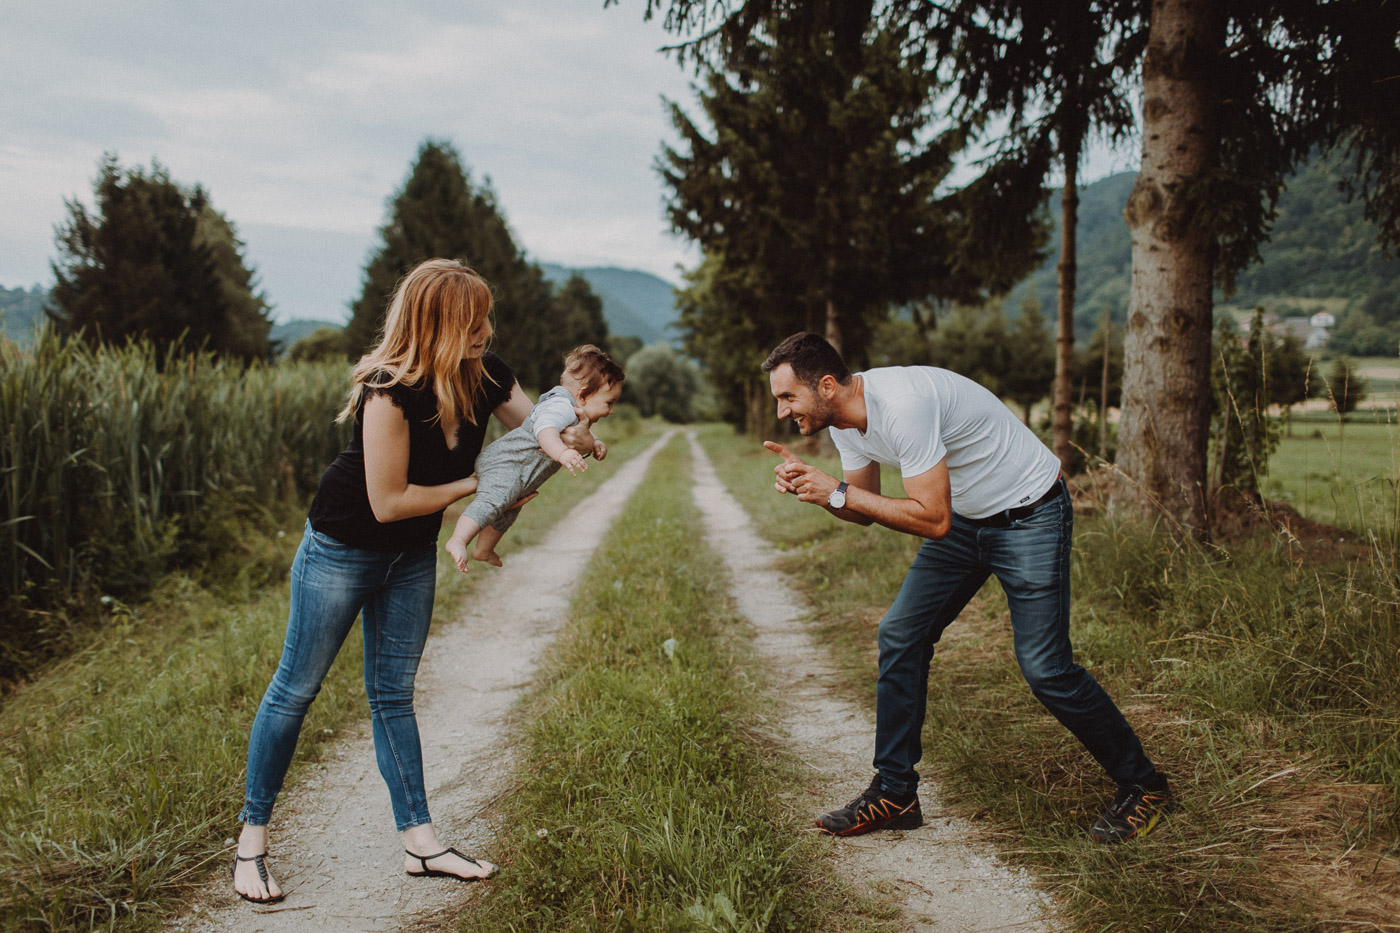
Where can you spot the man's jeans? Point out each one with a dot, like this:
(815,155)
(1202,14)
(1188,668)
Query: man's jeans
(1031,559)
(331,584)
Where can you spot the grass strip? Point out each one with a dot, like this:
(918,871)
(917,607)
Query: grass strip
(647,797)
(122,767)
(1268,688)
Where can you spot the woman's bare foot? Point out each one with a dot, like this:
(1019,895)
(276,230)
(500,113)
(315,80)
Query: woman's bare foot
(450,863)
(425,855)
(250,869)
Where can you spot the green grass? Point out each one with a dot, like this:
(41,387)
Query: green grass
(1344,475)
(1267,689)
(648,797)
(121,767)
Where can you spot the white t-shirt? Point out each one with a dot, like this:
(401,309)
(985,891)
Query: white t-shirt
(919,415)
(555,409)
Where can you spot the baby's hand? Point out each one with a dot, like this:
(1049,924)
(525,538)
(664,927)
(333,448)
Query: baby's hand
(574,461)
(600,450)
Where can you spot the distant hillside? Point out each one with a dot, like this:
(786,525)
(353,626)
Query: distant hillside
(284,335)
(1322,248)
(22,310)
(635,303)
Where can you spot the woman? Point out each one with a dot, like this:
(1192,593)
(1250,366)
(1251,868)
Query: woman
(420,401)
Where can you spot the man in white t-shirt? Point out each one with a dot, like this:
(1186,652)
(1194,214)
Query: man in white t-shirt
(987,495)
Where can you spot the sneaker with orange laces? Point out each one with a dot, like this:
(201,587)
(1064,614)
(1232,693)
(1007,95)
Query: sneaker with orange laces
(1133,814)
(873,810)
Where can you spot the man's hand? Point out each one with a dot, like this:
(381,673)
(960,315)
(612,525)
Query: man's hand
(800,478)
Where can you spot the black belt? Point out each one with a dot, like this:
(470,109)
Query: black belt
(1004,519)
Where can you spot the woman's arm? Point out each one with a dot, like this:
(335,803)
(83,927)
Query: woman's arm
(391,496)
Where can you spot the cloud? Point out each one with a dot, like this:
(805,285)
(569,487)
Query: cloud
(305,116)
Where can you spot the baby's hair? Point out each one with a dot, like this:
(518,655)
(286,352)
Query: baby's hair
(592,368)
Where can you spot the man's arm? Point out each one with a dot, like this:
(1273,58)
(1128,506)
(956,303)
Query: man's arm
(926,512)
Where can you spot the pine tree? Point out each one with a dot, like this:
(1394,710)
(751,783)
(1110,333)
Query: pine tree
(815,197)
(1030,372)
(440,214)
(156,262)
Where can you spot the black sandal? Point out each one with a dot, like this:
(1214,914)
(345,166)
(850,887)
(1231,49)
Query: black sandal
(427,872)
(262,873)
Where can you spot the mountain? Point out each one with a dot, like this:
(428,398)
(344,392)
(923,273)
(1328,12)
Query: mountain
(284,335)
(1322,252)
(635,303)
(22,311)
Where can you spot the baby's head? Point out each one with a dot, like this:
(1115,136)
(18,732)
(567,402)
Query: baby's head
(593,379)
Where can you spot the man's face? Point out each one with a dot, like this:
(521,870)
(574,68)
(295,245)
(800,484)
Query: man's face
(799,401)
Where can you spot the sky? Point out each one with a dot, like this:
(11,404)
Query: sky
(301,121)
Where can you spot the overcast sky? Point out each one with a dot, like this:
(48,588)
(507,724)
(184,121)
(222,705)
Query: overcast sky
(301,120)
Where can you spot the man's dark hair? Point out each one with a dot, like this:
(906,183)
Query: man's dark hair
(810,357)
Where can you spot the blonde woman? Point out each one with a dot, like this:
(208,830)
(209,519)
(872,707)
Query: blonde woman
(419,402)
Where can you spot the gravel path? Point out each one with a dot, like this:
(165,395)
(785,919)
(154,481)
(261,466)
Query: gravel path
(945,878)
(334,848)
(338,858)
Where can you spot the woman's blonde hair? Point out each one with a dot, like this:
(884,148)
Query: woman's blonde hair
(426,335)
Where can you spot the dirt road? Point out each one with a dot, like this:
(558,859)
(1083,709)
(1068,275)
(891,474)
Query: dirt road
(338,858)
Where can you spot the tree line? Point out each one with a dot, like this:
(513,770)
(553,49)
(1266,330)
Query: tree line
(153,260)
(832,127)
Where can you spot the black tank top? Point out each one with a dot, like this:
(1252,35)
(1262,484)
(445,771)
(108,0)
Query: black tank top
(341,507)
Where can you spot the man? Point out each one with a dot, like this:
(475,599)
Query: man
(987,495)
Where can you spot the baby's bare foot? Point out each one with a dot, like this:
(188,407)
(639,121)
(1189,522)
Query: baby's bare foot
(488,557)
(458,553)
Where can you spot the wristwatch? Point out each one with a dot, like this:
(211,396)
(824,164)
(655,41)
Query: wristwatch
(837,499)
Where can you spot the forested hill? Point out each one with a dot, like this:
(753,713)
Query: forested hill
(1322,252)
(21,310)
(635,303)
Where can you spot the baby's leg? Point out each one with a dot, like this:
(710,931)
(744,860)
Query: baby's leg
(486,542)
(466,529)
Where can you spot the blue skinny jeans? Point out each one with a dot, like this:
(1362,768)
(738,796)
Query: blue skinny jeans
(1031,559)
(332,583)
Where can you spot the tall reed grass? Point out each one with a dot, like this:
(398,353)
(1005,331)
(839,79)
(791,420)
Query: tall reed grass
(108,457)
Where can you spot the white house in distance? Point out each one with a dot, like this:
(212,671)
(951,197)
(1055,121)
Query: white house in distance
(1311,331)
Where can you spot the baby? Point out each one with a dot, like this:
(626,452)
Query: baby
(517,464)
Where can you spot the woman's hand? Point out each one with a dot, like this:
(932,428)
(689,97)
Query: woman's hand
(577,435)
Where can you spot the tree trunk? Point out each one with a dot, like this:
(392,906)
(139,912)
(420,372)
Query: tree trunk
(1103,386)
(1163,432)
(833,325)
(1062,406)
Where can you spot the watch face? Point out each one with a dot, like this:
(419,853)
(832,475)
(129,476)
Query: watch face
(837,499)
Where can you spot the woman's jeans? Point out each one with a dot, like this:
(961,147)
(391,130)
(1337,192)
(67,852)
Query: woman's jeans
(332,583)
(1030,557)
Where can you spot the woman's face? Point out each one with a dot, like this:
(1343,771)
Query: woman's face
(477,338)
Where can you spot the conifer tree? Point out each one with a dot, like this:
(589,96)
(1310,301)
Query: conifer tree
(1030,372)
(440,214)
(156,261)
(815,197)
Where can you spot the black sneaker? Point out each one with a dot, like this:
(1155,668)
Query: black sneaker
(1133,814)
(873,810)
